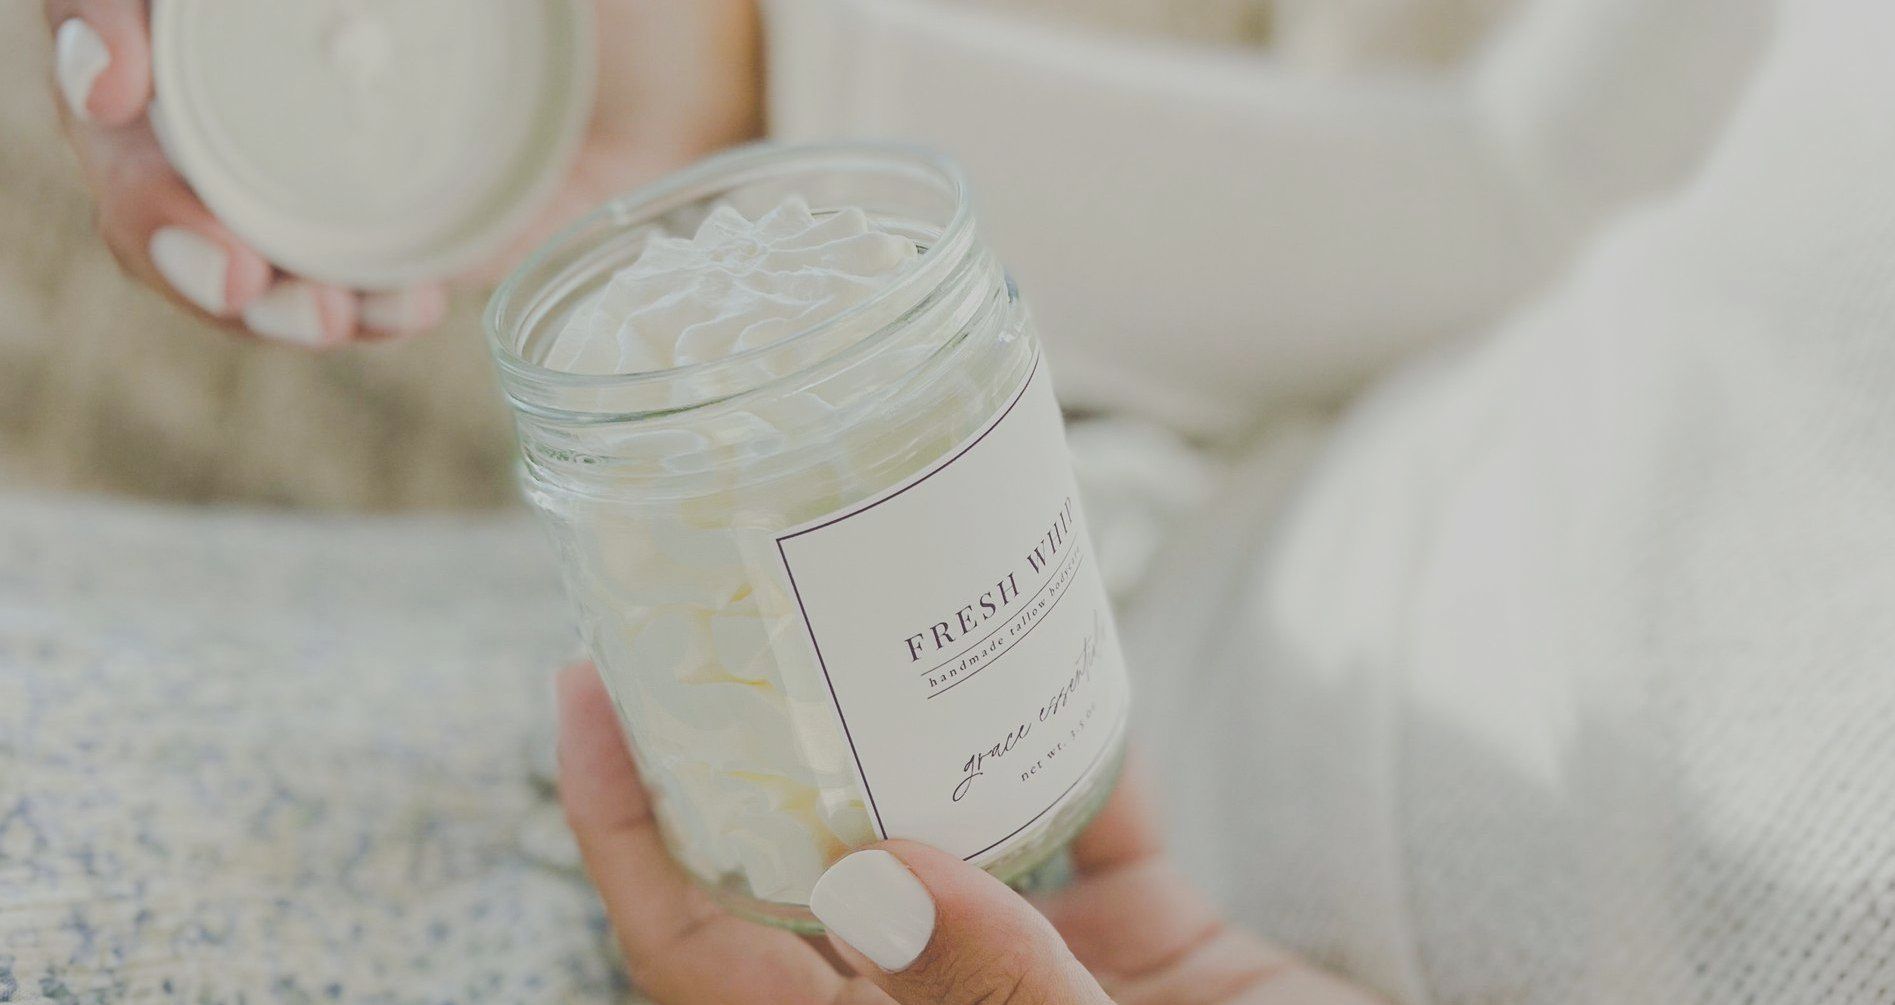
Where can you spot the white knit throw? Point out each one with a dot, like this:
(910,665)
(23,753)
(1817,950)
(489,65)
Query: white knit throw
(1569,676)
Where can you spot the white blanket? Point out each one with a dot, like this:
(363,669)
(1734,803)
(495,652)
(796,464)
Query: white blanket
(1569,676)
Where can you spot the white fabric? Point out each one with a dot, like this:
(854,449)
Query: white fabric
(1565,675)
(281,758)
(1575,653)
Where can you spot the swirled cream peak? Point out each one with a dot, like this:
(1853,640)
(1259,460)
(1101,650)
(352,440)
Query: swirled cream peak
(735,285)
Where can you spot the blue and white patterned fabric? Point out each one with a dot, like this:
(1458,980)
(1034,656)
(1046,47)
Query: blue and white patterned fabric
(270,758)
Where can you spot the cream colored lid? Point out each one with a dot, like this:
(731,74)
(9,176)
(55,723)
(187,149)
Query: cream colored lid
(373,143)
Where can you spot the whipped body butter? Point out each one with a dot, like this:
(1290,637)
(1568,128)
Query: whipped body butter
(793,435)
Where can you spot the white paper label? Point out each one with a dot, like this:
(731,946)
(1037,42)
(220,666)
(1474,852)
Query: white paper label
(964,631)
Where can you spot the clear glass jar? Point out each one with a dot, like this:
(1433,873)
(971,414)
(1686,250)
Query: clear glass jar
(668,495)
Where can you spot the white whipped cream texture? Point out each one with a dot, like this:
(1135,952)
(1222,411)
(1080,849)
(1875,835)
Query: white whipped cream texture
(709,664)
(736,285)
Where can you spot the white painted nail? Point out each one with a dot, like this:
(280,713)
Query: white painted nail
(402,310)
(79,57)
(872,902)
(196,266)
(286,312)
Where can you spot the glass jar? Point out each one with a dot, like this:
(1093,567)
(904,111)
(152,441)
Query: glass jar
(794,566)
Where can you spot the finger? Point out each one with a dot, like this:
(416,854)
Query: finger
(1173,918)
(928,927)
(1119,858)
(159,231)
(680,947)
(102,58)
(154,225)
(199,264)
(403,312)
(1236,968)
(1125,831)
(649,900)
(303,313)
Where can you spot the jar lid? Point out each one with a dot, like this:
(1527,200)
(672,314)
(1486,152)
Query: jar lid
(373,145)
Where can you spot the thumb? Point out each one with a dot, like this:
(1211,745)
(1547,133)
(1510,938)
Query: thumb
(102,58)
(927,927)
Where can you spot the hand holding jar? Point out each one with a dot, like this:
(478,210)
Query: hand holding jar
(910,924)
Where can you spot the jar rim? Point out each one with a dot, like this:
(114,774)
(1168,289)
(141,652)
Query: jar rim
(511,307)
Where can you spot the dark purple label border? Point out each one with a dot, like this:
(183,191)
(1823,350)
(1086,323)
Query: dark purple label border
(811,628)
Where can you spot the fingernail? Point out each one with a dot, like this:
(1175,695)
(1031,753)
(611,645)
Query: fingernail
(872,902)
(403,310)
(196,266)
(286,312)
(80,56)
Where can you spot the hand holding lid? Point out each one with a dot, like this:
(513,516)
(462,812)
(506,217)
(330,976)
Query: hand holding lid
(314,171)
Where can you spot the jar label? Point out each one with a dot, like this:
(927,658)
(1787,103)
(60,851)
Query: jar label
(963,629)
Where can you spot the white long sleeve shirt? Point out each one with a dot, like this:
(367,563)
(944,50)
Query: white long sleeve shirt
(1209,234)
